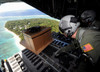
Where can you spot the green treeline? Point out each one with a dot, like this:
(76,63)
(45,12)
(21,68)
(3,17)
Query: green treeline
(18,26)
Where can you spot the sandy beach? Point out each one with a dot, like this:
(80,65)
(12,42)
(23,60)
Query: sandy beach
(17,39)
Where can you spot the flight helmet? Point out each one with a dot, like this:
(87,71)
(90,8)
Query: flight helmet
(68,25)
(88,16)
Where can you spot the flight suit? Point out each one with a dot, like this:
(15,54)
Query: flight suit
(90,44)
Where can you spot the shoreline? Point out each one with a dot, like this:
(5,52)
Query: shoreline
(17,39)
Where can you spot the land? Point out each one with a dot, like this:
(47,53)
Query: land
(18,26)
(17,39)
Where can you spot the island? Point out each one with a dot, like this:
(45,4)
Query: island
(17,26)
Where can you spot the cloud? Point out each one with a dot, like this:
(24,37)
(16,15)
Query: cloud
(13,6)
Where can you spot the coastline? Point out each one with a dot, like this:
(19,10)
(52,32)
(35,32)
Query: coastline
(17,39)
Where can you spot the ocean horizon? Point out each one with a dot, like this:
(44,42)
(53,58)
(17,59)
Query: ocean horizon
(8,46)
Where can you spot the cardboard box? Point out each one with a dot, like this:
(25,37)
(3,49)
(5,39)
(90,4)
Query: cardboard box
(38,41)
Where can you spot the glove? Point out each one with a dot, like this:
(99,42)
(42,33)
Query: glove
(64,50)
(74,45)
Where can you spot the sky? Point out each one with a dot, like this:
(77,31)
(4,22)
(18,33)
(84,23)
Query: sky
(13,6)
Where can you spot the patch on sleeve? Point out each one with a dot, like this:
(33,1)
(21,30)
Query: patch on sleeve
(87,47)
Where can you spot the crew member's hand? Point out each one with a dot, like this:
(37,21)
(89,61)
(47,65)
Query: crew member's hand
(64,50)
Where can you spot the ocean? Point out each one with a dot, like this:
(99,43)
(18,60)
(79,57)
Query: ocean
(8,45)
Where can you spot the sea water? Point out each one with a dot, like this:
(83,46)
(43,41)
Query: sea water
(8,45)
